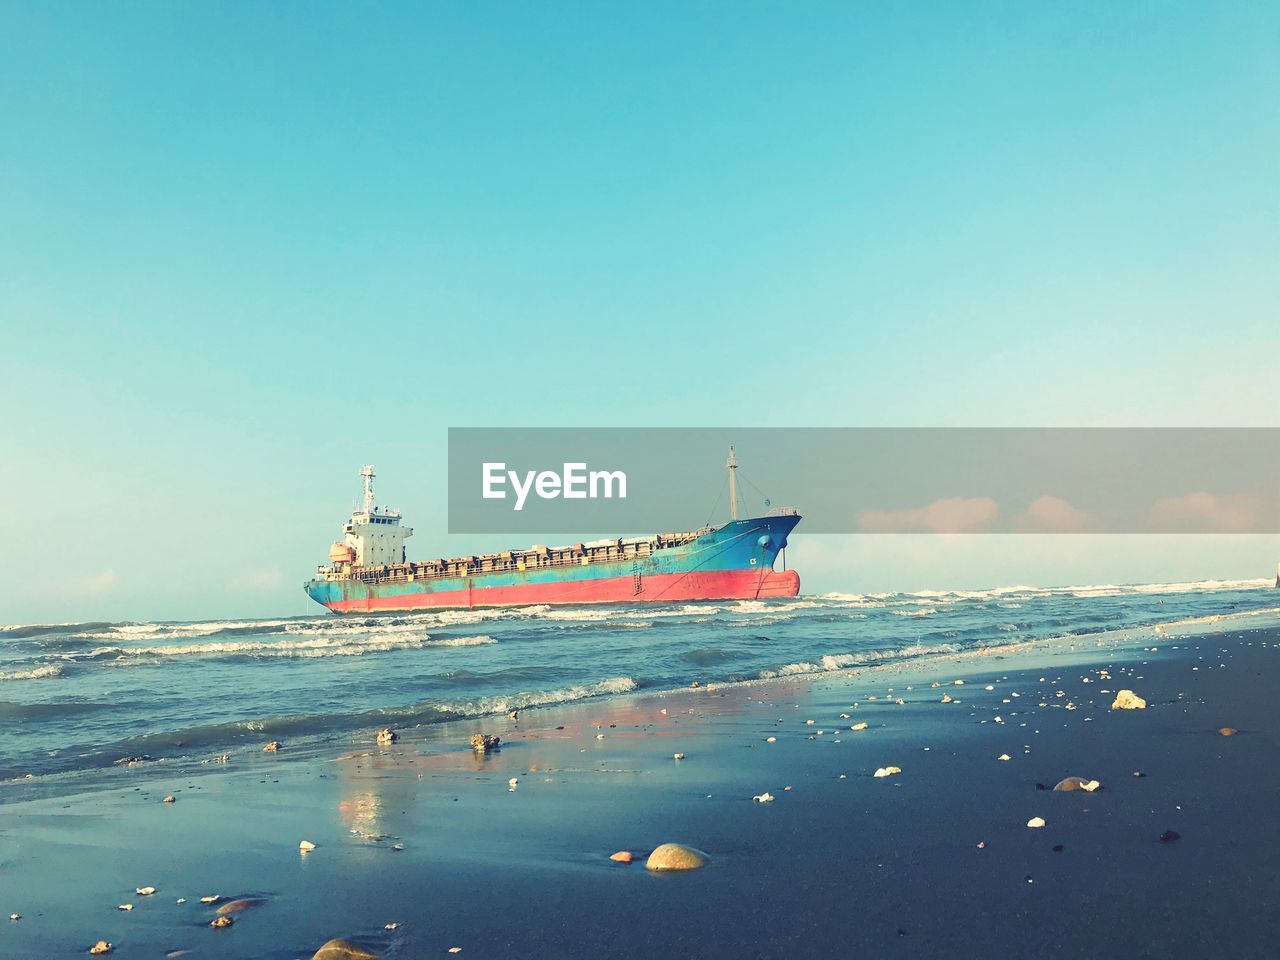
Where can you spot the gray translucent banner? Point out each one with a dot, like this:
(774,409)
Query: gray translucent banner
(867,480)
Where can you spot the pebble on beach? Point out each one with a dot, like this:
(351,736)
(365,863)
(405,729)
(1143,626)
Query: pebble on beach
(212,898)
(1128,700)
(770,739)
(1004,756)
(125,907)
(1068,784)
(145,891)
(622,856)
(1035,822)
(220,921)
(15,917)
(1227,732)
(677,756)
(859,726)
(170,799)
(765,797)
(101,947)
(1169,836)
(272,747)
(306,846)
(385,737)
(676,856)
(339,949)
(887,772)
(235,906)
(485,742)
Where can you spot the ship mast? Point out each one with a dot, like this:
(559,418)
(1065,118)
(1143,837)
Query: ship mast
(732,465)
(367,473)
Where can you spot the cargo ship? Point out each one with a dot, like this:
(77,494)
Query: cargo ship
(368,570)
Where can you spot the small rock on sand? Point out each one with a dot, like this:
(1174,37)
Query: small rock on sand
(859,726)
(676,856)
(622,856)
(384,737)
(1169,836)
(145,891)
(212,898)
(343,950)
(306,846)
(15,917)
(1004,756)
(677,756)
(235,906)
(125,907)
(770,739)
(170,799)
(101,947)
(1227,732)
(765,797)
(221,921)
(887,772)
(1067,784)
(1035,822)
(485,743)
(273,747)
(1128,700)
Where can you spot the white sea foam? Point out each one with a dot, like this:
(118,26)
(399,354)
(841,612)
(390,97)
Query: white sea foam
(842,661)
(501,704)
(315,647)
(36,673)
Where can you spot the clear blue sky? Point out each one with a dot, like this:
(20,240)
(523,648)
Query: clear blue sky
(249,247)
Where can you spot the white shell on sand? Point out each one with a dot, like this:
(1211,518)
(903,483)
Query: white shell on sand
(1128,700)
(887,771)
(125,906)
(676,856)
(1004,756)
(145,891)
(765,797)
(212,898)
(859,726)
(771,740)
(306,846)
(945,698)
(1036,822)
(677,756)
(101,947)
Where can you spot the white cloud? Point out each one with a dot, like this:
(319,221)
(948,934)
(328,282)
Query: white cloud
(949,515)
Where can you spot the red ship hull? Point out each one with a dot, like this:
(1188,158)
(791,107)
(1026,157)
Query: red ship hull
(749,584)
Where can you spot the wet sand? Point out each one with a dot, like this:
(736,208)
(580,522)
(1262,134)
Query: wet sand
(839,864)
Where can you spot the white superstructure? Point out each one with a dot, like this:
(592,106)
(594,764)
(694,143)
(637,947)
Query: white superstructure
(373,537)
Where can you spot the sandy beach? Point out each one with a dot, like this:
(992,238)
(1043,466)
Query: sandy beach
(424,846)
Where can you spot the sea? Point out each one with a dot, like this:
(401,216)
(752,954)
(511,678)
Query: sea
(77,699)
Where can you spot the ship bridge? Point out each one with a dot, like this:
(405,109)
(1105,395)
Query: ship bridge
(374,536)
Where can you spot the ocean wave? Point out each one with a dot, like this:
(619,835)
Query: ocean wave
(842,661)
(484,706)
(36,673)
(315,647)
